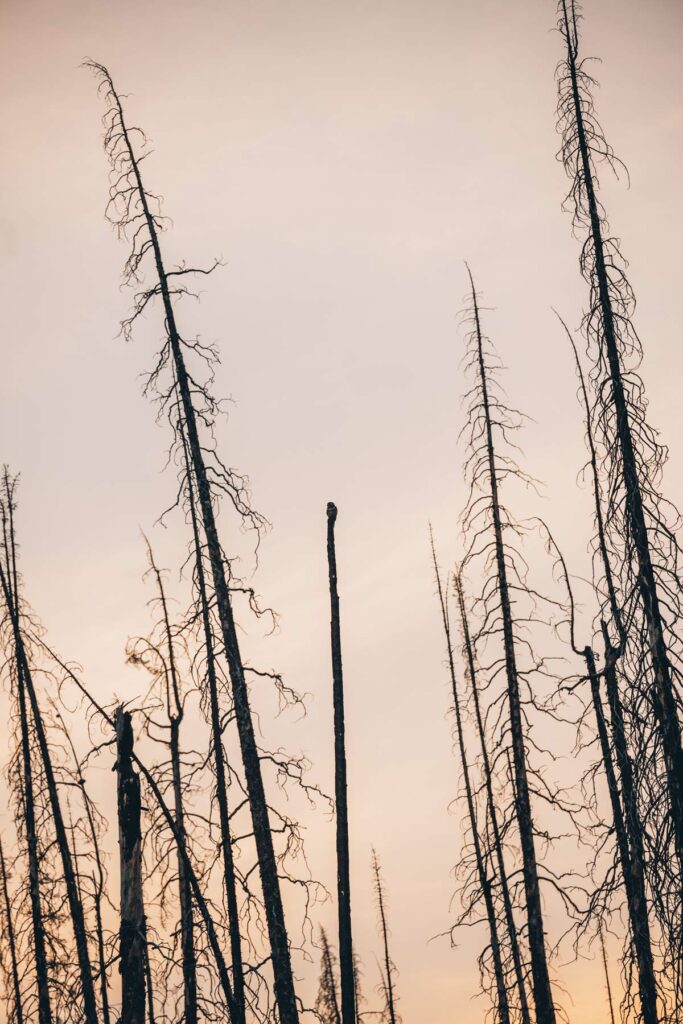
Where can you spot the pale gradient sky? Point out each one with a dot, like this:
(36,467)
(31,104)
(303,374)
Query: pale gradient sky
(344,158)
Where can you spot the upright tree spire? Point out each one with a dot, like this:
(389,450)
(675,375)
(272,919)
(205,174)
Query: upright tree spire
(615,755)
(346,964)
(388,968)
(485,412)
(633,456)
(485,883)
(132,940)
(498,847)
(327,1000)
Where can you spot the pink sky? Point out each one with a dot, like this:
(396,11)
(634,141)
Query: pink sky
(344,159)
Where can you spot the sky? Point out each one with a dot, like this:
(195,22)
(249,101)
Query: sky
(344,160)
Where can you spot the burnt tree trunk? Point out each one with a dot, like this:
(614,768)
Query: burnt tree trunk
(272,898)
(132,942)
(184,891)
(98,879)
(346,972)
(511,925)
(632,866)
(149,985)
(229,875)
(608,984)
(663,694)
(12,943)
(199,899)
(384,930)
(543,997)
(482,872)
(37,922)
(632,827)
(175,711)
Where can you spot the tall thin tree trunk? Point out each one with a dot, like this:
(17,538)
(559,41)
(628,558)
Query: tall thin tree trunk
(229,875)
(631,865)
(37,921)
(98,880)
(101,955)
(75,905)
(513,933)
(638,899)
(630,856)
(184,891)
(73,897)
(149,984)
(327,1004)
(272,898)
(543,997)
(484,880)
(608,984)
(175,711)
(346,972)
(663,695)
(384,929)
(12,943)
(132,930)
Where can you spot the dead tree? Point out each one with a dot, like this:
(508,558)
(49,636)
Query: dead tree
(615,755)
(638,521)
(327,1000)
(192,406)
(30,707)
(99,879)
(219,758)
(388,969)
(485,883)
(346,970)
(109,723)
(132,952)
(158,655)
(492,810)
(15,1000)
(608,985)
(25,767)
(486,522)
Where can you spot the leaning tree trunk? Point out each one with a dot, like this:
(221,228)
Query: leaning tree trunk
(629,830)
(663,692)
(543,997)
(631,866)
(73,897)
(482,873)
(38,926)
(184,891)
(74,902)
(18,1016)
(511,925)
(272,897)
(346,968)
(98,880)
(283,978)
(175,712)
(132,930)
(631,823)
(229,875)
